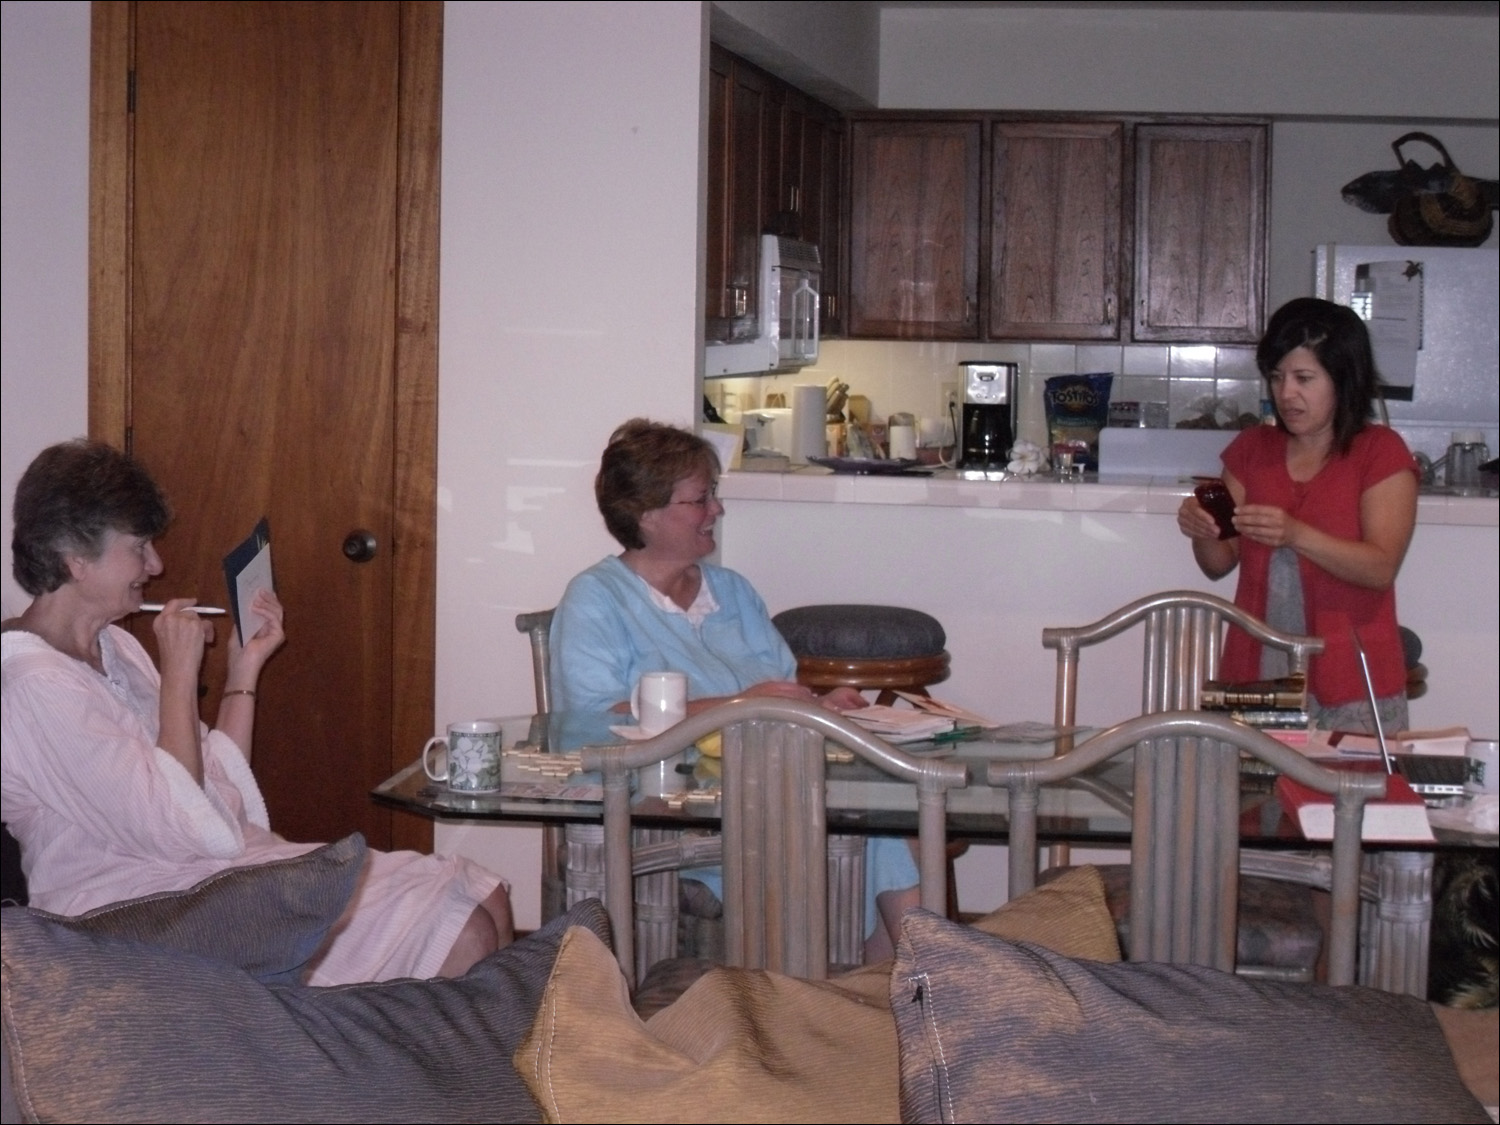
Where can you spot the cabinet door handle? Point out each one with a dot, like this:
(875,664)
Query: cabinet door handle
(1109,310)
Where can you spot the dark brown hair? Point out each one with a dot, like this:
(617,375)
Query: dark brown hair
(68,498)
(641,466)
(1336,335)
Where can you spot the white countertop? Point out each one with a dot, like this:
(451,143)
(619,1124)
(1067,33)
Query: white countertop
(949,489)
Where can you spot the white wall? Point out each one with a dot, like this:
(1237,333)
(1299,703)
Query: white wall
(1165,59)
(44,137)
(571,226)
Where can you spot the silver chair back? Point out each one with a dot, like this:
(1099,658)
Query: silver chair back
(1185,831)
(1182,645)
(774,825)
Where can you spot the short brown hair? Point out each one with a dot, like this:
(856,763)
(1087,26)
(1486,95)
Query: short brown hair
(1338,338)
(68,498)
(641,466)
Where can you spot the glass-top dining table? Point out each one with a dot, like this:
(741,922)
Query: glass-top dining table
(539,786)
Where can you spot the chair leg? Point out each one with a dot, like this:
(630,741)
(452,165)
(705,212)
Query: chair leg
(846,900)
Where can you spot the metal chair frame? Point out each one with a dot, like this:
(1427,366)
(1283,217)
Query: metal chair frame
(1183,643)
(774,824)
(1184,871)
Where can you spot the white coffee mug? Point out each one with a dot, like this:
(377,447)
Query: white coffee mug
(659,701)
(473,757)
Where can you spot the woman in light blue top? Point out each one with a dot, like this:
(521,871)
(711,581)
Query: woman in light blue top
(658,606)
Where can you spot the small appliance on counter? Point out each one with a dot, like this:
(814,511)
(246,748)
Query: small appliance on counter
(988,426)
(787,316)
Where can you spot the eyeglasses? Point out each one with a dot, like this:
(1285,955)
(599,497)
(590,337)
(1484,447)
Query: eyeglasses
(709,497)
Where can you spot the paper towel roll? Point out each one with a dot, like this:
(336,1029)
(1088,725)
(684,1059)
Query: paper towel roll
(809,411)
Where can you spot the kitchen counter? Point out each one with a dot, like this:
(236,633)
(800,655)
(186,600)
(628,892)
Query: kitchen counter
(946,488)
(996,561)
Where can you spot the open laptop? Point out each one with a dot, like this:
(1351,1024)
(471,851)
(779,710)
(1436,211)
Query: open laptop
(1429,775)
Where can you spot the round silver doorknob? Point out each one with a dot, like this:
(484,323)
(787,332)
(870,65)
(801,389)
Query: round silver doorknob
(359,546)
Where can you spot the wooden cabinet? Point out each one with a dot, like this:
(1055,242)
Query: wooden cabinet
(1200,232)
(914,229)
(810,201)
(775,163)
(1057,214)
(1090,229)
(741,153)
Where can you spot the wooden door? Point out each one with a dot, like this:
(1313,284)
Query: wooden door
(263,337)
(1055,248)
(1200,259)
(914,229)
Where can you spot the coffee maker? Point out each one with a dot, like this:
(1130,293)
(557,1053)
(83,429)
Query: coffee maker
(988,426)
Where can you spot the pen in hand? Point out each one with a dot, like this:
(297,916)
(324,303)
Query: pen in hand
(201,610)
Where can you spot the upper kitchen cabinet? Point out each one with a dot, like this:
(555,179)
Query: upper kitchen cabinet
(809,189)
(741,158)
(775,163)
(1057,212)
(914,228)
(1200,266)
(1088,228)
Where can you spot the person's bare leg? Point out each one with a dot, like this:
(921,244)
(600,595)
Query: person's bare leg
(489,928)
(889,907)
(497,906)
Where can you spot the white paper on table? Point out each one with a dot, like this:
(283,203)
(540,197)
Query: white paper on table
(946,710)
(897,724)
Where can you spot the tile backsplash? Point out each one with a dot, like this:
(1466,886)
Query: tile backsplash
(910,376)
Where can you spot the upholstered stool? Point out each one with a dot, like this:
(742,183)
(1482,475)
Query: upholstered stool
(869,647)
(1416,671)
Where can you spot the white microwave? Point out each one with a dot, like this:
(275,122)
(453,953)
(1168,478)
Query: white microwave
(787,322)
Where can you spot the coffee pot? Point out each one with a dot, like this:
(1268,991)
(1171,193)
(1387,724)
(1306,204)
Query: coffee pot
(988,423)
(1466,453)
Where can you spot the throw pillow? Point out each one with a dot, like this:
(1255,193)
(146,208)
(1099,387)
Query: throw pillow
(105,1029)
(992,1030)
(267,919)
(746,1045)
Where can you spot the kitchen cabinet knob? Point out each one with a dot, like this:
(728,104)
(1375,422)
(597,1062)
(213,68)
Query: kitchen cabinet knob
(359,546)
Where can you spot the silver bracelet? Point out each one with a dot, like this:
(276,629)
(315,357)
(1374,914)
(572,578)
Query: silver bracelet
(239,691)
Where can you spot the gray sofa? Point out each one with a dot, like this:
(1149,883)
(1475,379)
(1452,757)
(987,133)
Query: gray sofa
(187,1007)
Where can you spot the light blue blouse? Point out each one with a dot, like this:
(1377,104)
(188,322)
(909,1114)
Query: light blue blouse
(607,630)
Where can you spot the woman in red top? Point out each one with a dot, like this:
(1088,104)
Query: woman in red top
(1325,505)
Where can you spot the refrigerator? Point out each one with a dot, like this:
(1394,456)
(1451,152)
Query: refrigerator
(1441,303)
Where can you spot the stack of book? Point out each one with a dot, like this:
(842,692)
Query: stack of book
(1279,704)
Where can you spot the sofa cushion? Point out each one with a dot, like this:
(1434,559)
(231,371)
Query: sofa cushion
(101,1028)
(994,1030)
(267,919)
(746,1045)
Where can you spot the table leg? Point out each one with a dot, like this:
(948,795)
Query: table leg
(554,871)
(1402,922)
